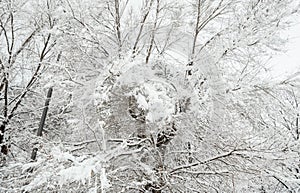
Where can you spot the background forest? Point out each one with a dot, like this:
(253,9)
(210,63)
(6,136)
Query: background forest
(148,96)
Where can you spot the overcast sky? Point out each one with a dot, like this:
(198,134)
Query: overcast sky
(289,62)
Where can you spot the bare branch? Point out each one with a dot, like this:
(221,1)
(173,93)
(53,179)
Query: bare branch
(24,44)
(202,162)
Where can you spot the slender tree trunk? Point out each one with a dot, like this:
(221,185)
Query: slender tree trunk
(143,21)
(196,33)
(152,37)
(118,26)
(42,123)
(4,147)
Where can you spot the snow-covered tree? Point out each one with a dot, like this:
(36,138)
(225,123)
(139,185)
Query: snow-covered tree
(149,96)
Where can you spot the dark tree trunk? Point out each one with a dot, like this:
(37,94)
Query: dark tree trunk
(42,123)
(4,147)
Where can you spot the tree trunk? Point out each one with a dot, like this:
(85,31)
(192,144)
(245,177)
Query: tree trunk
(42,123)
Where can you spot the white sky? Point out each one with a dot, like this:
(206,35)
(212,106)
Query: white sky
(289,62)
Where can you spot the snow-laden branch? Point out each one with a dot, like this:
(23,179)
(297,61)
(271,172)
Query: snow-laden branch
(223,155)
